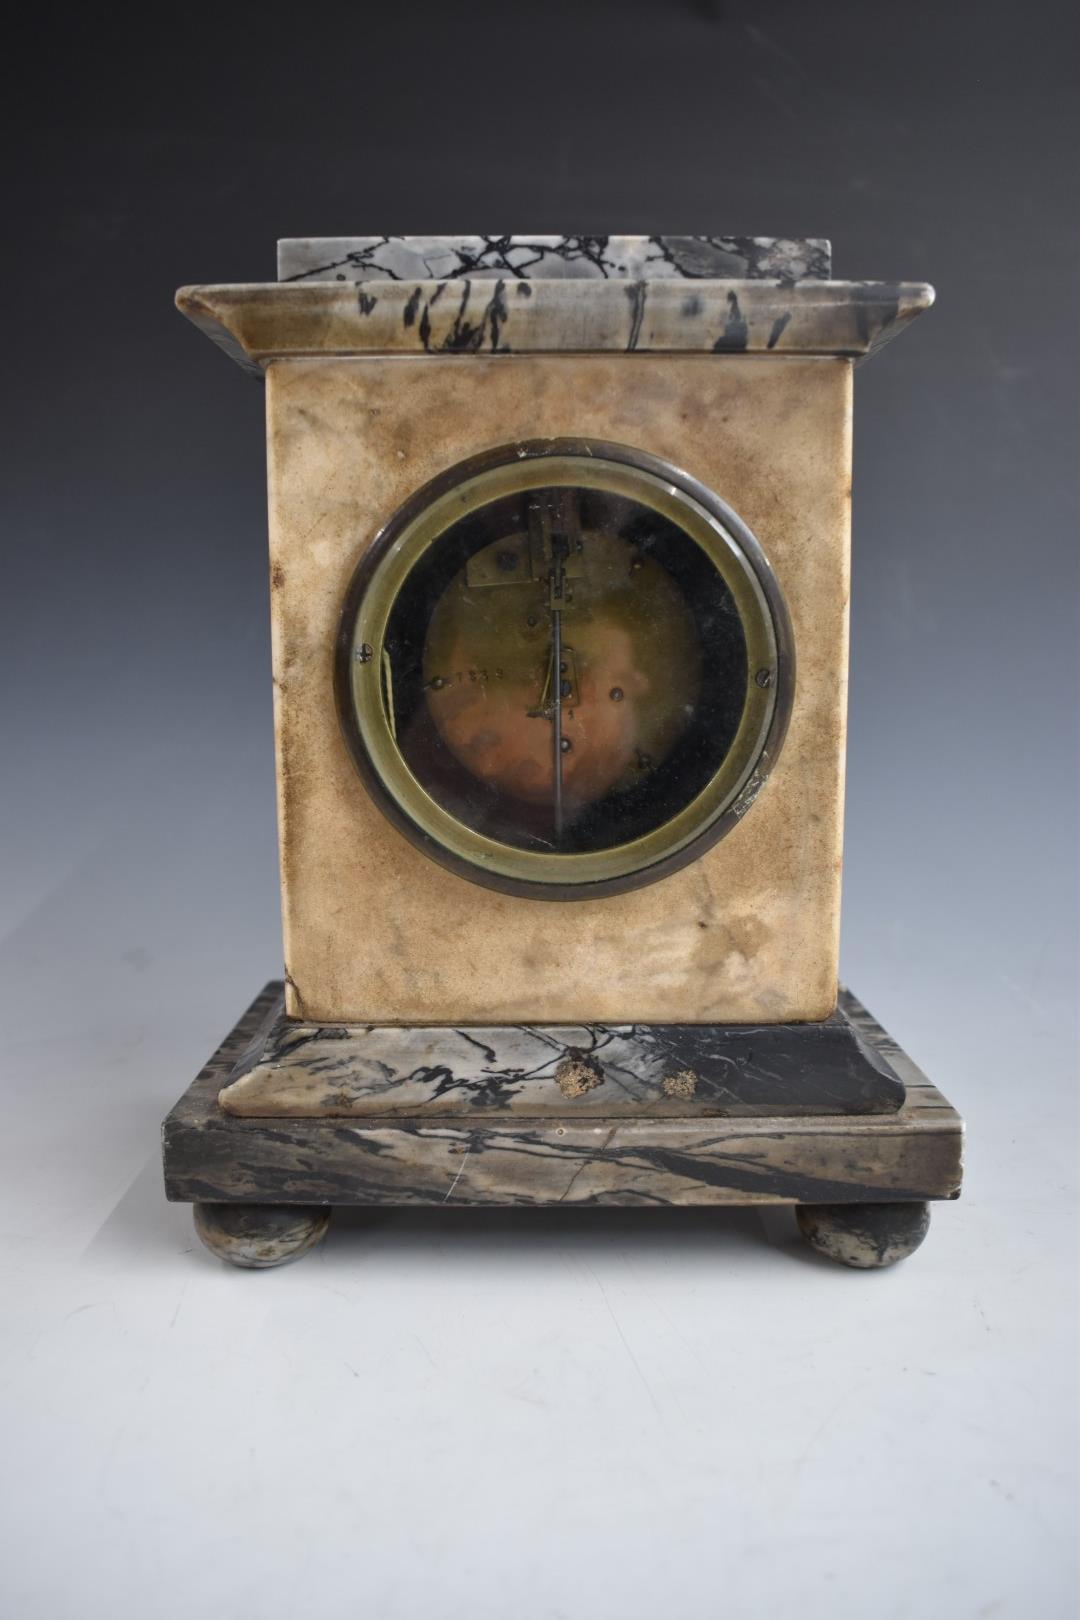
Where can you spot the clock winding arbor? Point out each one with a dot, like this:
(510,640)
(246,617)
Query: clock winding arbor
(559,535)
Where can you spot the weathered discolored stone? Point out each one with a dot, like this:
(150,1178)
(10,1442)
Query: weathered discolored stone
(681,1086)
(576,1074)
(375,932)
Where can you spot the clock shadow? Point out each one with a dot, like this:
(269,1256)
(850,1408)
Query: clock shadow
(524,1234)
(142,1227)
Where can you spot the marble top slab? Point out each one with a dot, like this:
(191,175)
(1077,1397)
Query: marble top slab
(553,258)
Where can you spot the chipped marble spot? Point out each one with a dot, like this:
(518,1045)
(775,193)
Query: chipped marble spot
(575,1074)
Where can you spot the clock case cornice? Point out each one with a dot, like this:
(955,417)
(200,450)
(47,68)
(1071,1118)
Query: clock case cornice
(258,323)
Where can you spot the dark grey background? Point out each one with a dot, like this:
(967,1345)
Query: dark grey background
(928,141)
(589,1413)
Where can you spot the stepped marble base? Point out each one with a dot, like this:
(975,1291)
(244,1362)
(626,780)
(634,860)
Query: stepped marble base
(264,1185)
(298,1070)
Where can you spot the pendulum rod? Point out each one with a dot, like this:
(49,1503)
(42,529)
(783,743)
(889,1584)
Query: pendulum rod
(555,528)
(556,678)
(565,541)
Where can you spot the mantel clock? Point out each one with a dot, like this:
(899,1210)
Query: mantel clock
(559,564)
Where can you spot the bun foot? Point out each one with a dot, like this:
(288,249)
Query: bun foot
(257,1236)
(864,1235)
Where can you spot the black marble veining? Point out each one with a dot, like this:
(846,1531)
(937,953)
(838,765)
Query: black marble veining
(501,1159)
(542,258)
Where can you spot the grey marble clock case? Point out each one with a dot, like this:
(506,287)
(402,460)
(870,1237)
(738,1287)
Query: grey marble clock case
(289,1118)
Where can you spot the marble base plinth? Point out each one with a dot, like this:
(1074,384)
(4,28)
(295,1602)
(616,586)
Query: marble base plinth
(298,1070)
(498,1157)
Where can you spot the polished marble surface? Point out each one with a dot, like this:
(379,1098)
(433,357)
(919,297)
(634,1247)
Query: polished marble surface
(543,258)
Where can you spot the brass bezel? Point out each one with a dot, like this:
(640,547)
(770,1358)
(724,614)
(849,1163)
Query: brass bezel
(514,468)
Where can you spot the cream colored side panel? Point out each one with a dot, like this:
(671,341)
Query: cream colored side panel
(376,932)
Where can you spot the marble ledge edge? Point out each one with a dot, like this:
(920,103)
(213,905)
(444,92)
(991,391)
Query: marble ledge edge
(255,323)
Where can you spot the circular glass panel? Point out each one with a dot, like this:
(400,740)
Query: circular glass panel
(564,668)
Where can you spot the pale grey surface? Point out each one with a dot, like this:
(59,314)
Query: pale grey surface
(553,1418)
(549,258)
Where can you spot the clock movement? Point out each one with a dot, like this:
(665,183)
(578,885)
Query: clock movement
(564,669)
(559,569)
